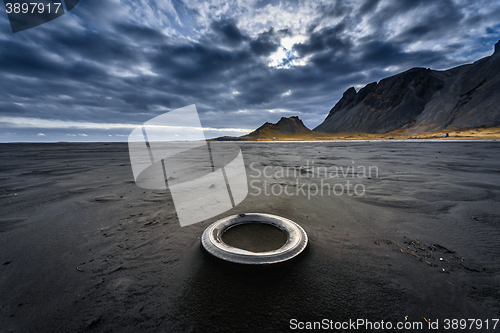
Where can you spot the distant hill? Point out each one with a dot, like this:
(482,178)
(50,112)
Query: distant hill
(285,127)
(422,100)
(291,125)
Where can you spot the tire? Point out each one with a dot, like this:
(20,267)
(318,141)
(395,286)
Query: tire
(297,240)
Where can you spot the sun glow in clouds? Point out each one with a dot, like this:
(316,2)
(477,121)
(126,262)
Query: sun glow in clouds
(286,57)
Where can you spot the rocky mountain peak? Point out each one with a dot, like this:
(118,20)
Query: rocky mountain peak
(290,125)
(289,120)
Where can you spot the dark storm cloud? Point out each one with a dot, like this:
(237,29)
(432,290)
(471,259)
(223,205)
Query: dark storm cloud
(111,64)
(228,32)
(135,32)
(266,43)
(334,9)
(397,8)
(326,39)
(13,109)
(381,53)
(368,6)
(196,61)
(442,19)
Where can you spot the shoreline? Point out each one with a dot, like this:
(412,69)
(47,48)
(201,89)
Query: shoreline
(363,140)
(490,133)
(280,141)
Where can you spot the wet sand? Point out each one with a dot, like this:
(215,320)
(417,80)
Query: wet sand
(82,248)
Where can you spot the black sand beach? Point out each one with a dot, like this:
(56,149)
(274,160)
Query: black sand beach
(82,248)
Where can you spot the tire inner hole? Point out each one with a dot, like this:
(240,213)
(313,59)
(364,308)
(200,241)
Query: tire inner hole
(255,237)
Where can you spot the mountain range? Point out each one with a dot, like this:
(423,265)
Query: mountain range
(422,100)
(416,101)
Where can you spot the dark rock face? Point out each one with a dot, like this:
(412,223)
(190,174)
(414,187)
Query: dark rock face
(291,125)
(421,99)
(383,107)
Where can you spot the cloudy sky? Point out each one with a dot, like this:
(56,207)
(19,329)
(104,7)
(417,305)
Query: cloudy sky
(109,65)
